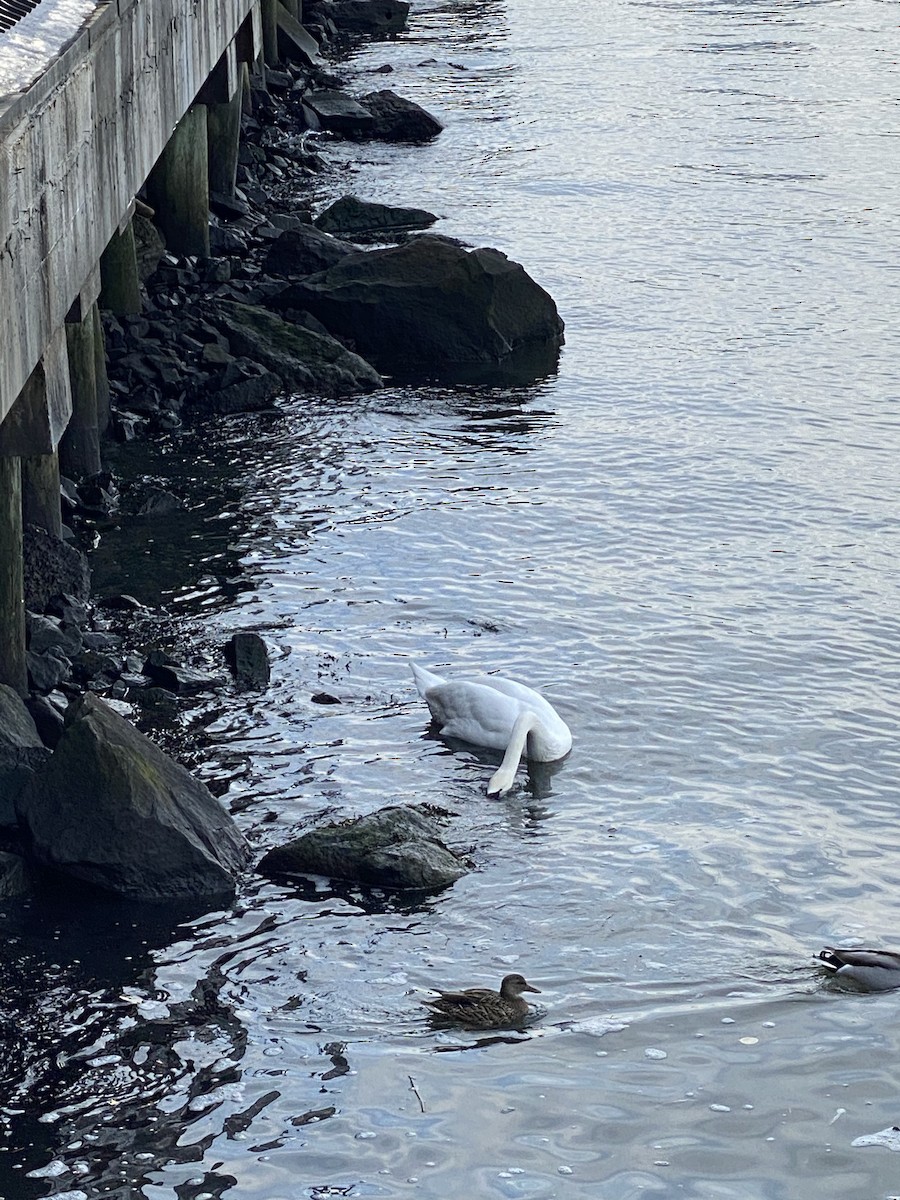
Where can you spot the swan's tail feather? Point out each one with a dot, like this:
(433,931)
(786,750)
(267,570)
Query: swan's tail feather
(502,779)
(424,679)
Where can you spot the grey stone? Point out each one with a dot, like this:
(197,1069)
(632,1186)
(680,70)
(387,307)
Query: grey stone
(46,671)
(21,751)
(109,808)
(351,216)
(176,678)
(397,119)
(68,608)
(338,113)
(397,847)
(304,361)
(305,249)
(47,718)
(250,394)
(248,657)
(46,632)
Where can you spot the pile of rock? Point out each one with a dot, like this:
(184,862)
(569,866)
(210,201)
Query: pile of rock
(288,304)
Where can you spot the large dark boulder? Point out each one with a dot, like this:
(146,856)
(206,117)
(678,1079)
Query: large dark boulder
(21,751)
(429,306)
(304,251)
(378,18)
(396,847)
(109,808)
(397,119)
(304,361)
(363,219)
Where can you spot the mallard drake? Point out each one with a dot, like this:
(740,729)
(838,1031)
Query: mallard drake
(481,1008)
(499,714)
(878,970)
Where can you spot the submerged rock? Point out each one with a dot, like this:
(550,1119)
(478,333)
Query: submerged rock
(352,216)
(429,305)
(110,809)
(396,847)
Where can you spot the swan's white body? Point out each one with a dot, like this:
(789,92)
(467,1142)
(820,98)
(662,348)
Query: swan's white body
(498,713)
(878,970)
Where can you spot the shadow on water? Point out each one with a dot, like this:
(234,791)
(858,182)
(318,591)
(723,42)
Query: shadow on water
(88,1048)
(529,366)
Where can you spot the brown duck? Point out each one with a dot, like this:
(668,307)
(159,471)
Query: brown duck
(482,1008)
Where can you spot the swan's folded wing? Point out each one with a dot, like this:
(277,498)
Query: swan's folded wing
(473,713)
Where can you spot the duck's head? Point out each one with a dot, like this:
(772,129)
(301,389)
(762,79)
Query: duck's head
(513,986)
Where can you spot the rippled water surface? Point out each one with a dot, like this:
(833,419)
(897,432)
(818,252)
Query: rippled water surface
(687,539)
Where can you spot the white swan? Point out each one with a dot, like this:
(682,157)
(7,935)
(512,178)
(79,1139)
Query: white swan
(499,714)
(878,970)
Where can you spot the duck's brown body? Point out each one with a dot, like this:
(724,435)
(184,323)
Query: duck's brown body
(482,1008)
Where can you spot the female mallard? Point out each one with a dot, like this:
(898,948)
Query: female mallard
(498,713)
(481,1008)
(878,970)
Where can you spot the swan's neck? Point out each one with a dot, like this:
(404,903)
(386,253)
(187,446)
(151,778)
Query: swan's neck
(501,780)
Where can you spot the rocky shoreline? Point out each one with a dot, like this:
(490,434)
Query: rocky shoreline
(285,303)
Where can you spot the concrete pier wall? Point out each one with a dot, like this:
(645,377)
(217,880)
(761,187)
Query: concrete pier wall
(75,147)
(78,144)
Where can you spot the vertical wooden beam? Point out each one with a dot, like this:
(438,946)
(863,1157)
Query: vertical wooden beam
(100,375)
(79,450)
(270,31)
(178,186)
(40,492)
(13,671)
(121,289)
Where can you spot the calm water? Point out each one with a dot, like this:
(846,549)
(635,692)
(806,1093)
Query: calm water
(687,539)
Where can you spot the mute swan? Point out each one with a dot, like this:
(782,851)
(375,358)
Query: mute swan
(499,714)
(481,1008)
(878,970)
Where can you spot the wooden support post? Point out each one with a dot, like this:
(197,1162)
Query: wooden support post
(178,186)
(79,449)
(270,31)
(40,492)
(100,375)
(246,94)
(223,127)
(13,671)
(121,290)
